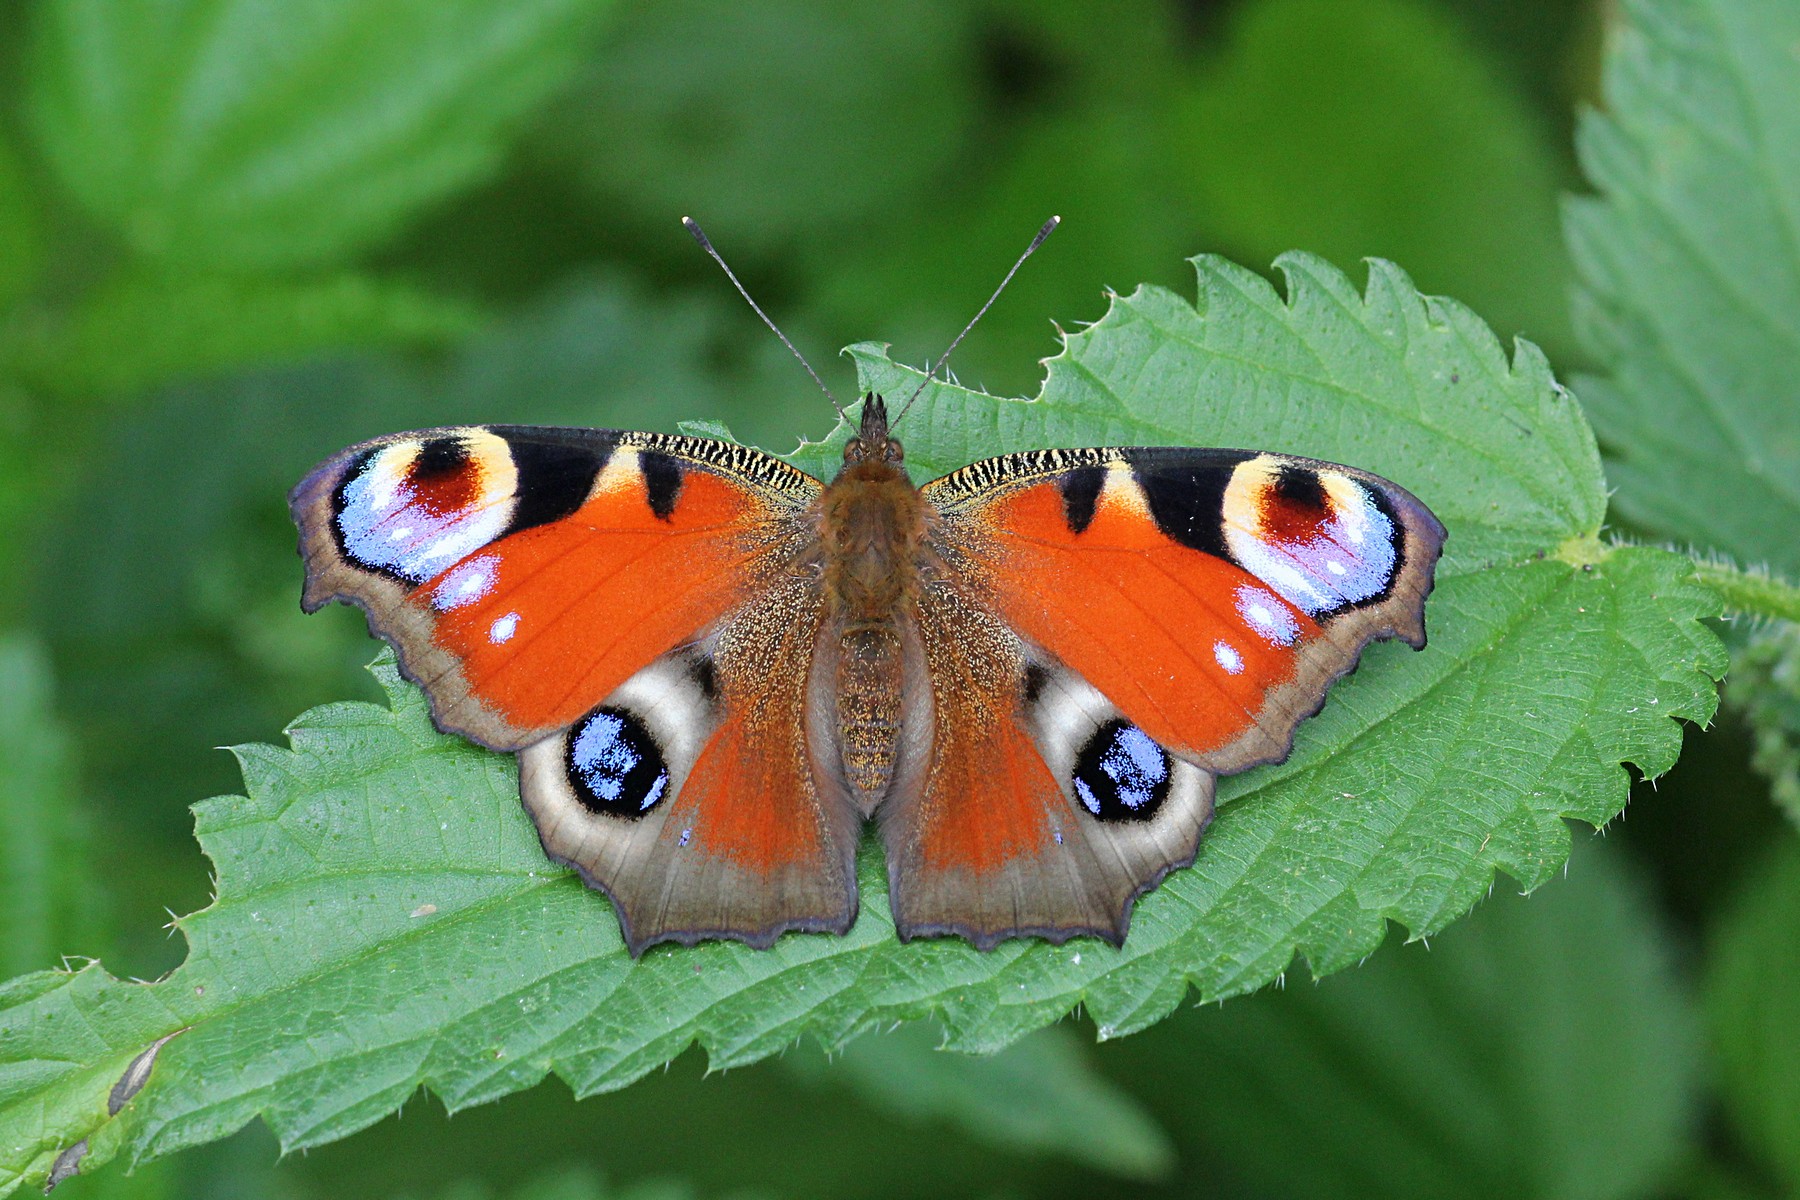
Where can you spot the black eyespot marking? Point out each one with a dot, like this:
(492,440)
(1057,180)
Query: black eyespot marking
(555,476)
(1121,774)
(707,677)
(440,488)
(1035,679)
(437,458)
(441,480)
(1080,493)
(662,482)
(614,765)
(1302,488)
(1186,494)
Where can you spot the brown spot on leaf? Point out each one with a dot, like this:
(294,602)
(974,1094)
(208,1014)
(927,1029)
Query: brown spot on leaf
(137,1074)
(67,1163)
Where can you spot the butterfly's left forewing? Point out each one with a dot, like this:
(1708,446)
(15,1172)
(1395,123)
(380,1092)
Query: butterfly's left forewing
(522,573)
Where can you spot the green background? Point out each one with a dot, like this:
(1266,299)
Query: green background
(235,237)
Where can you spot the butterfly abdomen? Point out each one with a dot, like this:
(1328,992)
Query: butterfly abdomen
(873,528)
(870,682)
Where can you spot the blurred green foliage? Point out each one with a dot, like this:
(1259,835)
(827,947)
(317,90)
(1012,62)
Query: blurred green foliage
(1691,275)
(236,235)
(1753,1010)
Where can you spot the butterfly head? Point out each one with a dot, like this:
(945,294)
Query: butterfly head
(872,443)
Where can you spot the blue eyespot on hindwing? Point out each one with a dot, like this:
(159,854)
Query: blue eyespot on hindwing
(615,767)
(1122,774)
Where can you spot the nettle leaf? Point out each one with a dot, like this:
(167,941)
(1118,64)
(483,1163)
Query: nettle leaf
(1544,1048)
(1753,1003)
(1690,268)
(278,133)
(386,920)
(1765,687)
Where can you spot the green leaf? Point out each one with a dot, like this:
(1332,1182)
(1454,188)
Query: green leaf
(144,328)
(1753,1002)
(46,889)
(1544,1049)
(1689,261)
(1755,592)
(766,120)
(21,248)
(1041,1095)
(247,133)
(1378,127)
(1765,686)
(385,918)
(572,1183)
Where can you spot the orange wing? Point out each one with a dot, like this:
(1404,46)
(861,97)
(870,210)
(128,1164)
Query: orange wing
(1109,631)
(623,610)
(691,796)
(1005,835)
(1212,595)
(523,574)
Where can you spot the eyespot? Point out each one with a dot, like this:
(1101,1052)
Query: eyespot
(409,509)
(615,767)
(1322,539)
(1122,774)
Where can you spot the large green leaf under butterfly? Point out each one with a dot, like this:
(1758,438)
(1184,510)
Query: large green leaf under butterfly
(386,920)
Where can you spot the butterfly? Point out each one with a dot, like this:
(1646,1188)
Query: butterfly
(715,668)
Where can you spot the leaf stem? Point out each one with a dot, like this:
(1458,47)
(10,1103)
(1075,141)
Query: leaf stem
(1754,592)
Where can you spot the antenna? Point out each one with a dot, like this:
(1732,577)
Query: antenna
(693,227)
(1046,231)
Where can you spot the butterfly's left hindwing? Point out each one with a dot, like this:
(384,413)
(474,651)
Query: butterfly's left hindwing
(689,795)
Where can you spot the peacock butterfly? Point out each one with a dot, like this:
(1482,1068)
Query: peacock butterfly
(714,668)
